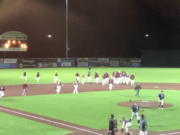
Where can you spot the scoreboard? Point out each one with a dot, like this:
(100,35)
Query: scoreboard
(13,41)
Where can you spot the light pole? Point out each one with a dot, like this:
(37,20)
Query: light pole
(67,29)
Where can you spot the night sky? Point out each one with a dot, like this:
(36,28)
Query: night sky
(97,28)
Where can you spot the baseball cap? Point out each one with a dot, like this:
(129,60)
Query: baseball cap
(161,90)
(112,115)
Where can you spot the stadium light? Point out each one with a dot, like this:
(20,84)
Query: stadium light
(7,45)
(14,41)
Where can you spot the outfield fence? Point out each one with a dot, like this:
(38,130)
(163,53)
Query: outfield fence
(69,62)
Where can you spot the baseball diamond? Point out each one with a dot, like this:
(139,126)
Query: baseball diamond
(93,103)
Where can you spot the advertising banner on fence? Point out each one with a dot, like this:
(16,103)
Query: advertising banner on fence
(103,61)
(124,62)
(47,60)
(27,63)
(135,63)
(114,62)
(8,65)
(10,60)
(67,62)
(93,62)
(82,62)
(41,65)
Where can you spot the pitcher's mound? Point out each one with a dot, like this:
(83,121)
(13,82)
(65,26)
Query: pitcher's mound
(144,104)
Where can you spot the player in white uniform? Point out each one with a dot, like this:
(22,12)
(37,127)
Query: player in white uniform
(111,82)
(83,78)
(58,86)
(56,77)
(89,77)
(127,78)
(75,86)
(2,89)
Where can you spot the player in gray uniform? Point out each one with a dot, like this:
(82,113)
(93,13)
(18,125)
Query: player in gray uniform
(134,110)
(161,97)
(137,89)
(143,126)
(126,125)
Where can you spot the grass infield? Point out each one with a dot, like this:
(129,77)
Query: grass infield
(94,108)
(90,109)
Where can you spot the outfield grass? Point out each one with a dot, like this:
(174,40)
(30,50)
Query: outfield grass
(67,75)
(13,125)
(93,108)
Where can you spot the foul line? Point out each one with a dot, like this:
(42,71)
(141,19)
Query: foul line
(51,121)
(170,133)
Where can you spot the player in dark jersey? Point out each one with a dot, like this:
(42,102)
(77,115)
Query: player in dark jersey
(134,109)
(37,76)
(161,97)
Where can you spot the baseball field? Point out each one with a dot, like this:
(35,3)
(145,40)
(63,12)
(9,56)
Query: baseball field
(43,112)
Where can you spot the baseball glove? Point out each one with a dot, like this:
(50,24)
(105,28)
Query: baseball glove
(122,129)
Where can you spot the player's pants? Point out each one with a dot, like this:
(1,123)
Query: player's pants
(120,80)
(135,114)
(77,78)
(106,80)
(1,94)
(123,79)
(83,80)
(55,79)
(110,86)
(137,93)
(58,89)
(24,92)
(143,132)
(37,78)
(127,127)
(75,89)
(132,82)
(97,80)
(103,81)
(89,78)
(116,80)
(127,80)
(161,102)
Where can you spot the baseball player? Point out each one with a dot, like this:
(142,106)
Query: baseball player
(24,75)
(111,82)
(24,87)
(120,78)
(83,78)
(89,68)
(161,97)
(112,126)
(132,79)
(37,76)
(137,89)
(126,125)
(96,76)
(89,76)
(127,78)
(116,81)
(134,110)
(77,76)
(58,88)
(75,86)
(143,126)
(103,77)
(2,89)
(107,77)
(56,77)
